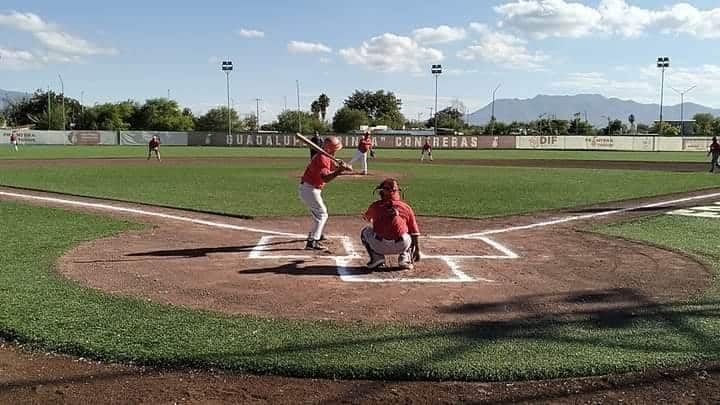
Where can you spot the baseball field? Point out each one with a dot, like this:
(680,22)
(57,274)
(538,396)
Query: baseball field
(536,265)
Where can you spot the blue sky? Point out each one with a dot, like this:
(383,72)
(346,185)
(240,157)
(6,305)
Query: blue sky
(114,51)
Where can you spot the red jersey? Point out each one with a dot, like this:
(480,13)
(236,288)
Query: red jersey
(154,143)
(392,219)
(13,137)
(319,166)
(427,146)
(364,144)
(715,148)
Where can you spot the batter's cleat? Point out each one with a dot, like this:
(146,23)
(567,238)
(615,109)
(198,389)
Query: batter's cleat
(375,264)
(314,245)
(406,266)
(322,237)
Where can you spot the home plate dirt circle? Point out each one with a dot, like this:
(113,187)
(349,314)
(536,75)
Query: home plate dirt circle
(540,271)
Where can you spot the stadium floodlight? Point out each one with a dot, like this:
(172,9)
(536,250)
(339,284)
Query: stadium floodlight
(436,70)
(62,91)
(227,67)
(682,104)
(663,62)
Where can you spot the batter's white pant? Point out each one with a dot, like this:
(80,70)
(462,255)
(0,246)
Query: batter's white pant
(382,247)
(312,197)
(362,157)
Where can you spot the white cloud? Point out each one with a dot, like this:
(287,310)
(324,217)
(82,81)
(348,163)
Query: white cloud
(14,58)
(56,41)
(438,35)
(460,72)
(391,53)
(245,33)
(502,49)
(325,61)
(307,47)
(560,18)
(545,18)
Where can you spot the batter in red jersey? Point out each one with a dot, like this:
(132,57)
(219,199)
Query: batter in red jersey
(393,229)
(364,145)
(154,146)
(426,149)
(319,172)
(13,141)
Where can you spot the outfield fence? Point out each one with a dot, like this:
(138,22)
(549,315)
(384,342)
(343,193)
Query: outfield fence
(553,142)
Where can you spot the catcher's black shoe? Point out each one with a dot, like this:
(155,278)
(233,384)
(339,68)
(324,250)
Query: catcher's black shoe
(375,264)
(314,245)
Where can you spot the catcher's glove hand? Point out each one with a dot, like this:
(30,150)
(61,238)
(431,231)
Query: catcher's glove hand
(372,153)
(415,253)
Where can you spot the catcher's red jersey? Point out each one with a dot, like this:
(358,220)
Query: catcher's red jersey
(319,166)
(392,219)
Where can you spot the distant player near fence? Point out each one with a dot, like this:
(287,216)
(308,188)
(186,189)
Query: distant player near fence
(426,149)
(714,153)
(13,141)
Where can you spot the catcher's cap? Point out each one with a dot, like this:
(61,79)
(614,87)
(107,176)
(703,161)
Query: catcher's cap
(332,144)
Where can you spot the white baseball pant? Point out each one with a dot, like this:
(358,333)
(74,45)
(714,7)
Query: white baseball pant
(362,157)
(312,197)
(384,247)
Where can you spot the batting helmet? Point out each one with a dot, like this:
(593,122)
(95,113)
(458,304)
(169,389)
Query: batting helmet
(332,144)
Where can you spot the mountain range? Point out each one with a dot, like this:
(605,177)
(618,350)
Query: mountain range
(7,96)
(597,108)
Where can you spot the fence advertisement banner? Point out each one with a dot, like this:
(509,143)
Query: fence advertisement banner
(143,137)
(350,141)
(592,142)
(31,137)
(696,144)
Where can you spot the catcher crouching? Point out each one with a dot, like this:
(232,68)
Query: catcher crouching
(393,229)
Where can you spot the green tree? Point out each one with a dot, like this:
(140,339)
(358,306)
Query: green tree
(249,123)
(161,114)
(216,119)
(287,121)
(34,110)
(315,108)
(580,127)
(703,124)
(615,127)
(347,119)
(324,101)
(449,117)
(382,108)
(667,129)
(109,116)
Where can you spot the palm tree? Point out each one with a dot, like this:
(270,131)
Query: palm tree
(315,108)
(324,101)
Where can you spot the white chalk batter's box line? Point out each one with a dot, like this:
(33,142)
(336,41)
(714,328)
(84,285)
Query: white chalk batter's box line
(342,262)
(706,211)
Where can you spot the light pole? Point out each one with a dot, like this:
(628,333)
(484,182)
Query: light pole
(62,97)
(227,67)
(492,114)
(82,106)
(436,71)
(257,114)
(49,109)
(663,62)
(608,118)
(682,104)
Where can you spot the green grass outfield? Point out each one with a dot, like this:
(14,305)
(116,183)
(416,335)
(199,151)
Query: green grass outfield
(61,152)
(270,188)
(45,311)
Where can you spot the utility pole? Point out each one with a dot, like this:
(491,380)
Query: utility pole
(492,114)
(49,115)
(682,104)
(297,85)
(257,113)
(62,95)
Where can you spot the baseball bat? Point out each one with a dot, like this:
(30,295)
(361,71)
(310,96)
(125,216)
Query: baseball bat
(316,148)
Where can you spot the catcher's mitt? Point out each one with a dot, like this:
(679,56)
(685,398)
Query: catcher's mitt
(372,153)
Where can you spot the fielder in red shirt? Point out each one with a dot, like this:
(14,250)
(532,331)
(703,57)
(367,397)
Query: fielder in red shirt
(154,146)
(364,145)
(13,141)
(714,150)
(393,229)
(319,172)
(426,149)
